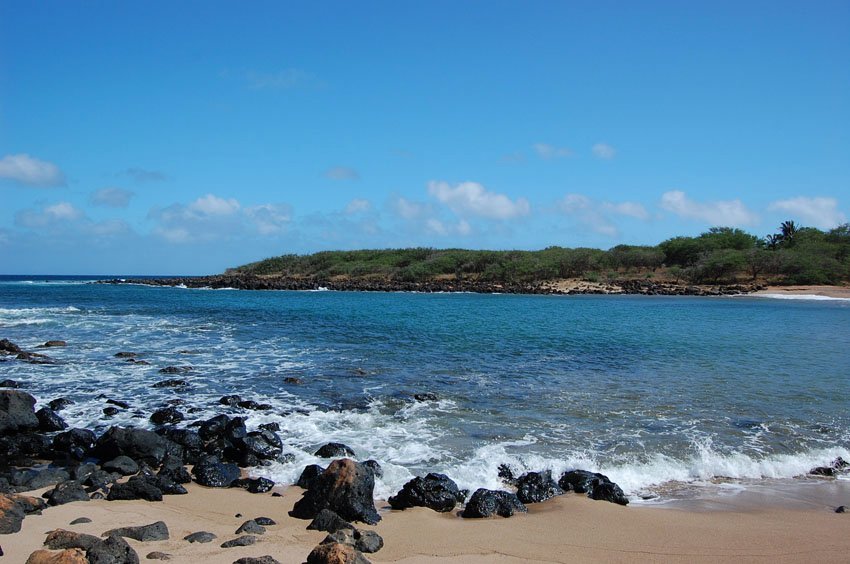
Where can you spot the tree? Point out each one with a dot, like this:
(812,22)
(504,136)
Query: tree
(788,231)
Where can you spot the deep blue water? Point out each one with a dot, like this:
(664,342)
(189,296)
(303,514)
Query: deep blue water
(653,391)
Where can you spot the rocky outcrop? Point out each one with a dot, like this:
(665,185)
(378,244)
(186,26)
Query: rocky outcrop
(345,487)
(596,486)
(16,412)
(139,444)
(435,491)
(535,487)
(486,503)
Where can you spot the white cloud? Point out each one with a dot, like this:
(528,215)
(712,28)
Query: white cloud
(212,218)
(31,171)
(820,212)
(604,151)
(409,210)
(471,198)
(211,205)
(596,216)
(546,151)
(727,213)
(342,173)
(48,216)
(629,209)
(357,205)
(269,218)
(68,221)
(111,197)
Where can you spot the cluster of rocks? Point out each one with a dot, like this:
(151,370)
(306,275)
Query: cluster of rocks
(253,282)
(8,348)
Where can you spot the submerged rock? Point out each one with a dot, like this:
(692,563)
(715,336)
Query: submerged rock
(334,450)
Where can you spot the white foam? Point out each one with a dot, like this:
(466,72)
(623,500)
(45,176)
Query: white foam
(812,297)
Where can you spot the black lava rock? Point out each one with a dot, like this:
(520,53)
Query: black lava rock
(309,475)
(143,533)
(75,442)
(16,412)
(327,520)
(244,540)
(59,404)
(123,465)
(345,487)
(535,487)
(137,487)
(609,491)
(334,450)
(169,415)
(486,503)
(375,467)
(213,473)
(435,491)
(251,527)
(113,550)
(200,536)
(66,492)
(139,444)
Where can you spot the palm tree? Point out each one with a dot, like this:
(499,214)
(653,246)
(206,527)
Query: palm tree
(788,230)
(772,241)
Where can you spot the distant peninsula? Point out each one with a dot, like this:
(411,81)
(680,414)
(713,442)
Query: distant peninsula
(720,261)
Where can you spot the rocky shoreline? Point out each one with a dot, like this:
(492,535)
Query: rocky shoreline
(615,287)
(40,453)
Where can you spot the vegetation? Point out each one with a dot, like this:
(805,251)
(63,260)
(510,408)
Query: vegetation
(792,255)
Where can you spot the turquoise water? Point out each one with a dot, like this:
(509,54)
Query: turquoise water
(657,392)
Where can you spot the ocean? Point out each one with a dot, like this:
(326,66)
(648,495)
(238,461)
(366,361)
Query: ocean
(671,397)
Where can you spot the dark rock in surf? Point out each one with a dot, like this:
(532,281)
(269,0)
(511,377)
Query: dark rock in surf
(118,403)
(230,400)
(309,475)
(16,412)
(581,481)
(49,421)
(10,384)
(254,406)
(51,344)
(273,427)
(507,475)
(425,396)
(609,491)
(169,415)
(171,384)
(110,411)
(334,450)
(59,404)
(213,473)
(8,347)
(535,487)
(435,491)
(486,503)
(345,487)
(139,444)
(836,467)
(125,354)
(375,467)
(175,369)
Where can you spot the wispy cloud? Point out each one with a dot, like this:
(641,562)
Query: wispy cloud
(604,151)
(819,212)
(66,220)
(357,205)
(548,152)
(30,171)
(111,197)
(730,213)
(596,216)
(342,173)
(212,217)
(144,175)
(472,199)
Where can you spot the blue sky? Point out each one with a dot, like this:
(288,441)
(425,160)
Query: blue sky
(187,137)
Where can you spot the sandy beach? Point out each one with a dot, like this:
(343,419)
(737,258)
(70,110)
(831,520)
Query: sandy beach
(569,528)
(826,291)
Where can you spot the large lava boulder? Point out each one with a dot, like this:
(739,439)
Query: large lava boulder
(435,491)
(139,444)
(334,450)
(486,503)
(534,487)
(597,486)
(211,472)
(76,443)
(16,412)
(49,420)
(345,487)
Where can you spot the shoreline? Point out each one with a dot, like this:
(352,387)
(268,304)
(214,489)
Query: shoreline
(568,528)
(839,292)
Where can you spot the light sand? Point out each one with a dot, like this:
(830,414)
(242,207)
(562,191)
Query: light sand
(570,528)
(828,291)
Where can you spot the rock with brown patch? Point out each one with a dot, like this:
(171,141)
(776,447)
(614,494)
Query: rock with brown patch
(345,487)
